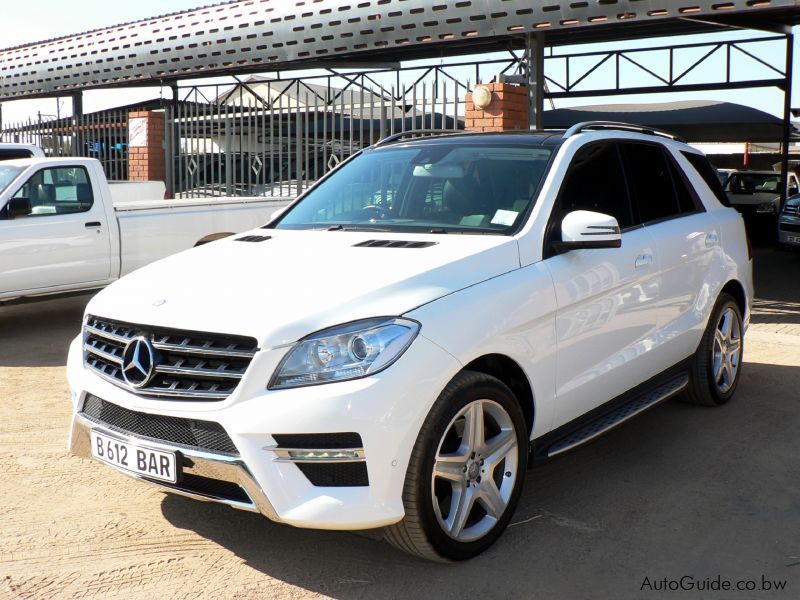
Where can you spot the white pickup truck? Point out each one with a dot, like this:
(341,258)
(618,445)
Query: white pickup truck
(63,228)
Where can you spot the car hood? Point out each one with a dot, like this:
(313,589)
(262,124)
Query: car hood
(298,282)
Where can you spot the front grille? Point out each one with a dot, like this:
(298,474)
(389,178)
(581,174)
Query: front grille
(188,365)
(792,209)
(191,433)
(215,488)
(344,474)
(791,227)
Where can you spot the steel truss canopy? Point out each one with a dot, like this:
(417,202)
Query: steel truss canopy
(267,35)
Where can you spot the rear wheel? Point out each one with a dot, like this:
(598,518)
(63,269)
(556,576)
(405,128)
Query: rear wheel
(717,363)
(466,471)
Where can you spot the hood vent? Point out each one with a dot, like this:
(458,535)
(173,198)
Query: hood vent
(253,238)
(393,244)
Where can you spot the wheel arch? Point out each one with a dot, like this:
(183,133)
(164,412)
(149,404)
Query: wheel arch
(508,371)
(736,289)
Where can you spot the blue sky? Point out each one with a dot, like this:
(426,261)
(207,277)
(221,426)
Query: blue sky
(34,20)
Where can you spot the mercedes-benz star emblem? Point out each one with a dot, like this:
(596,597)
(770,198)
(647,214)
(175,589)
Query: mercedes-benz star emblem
(138,362)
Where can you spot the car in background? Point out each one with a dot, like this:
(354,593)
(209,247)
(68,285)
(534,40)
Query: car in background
(724,175)
(789,223)
(15,151)
(758,192)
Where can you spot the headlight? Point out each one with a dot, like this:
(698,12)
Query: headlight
(766,208)
(344,352)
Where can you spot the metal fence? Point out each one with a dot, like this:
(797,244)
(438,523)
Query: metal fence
(274,137)
(102,135)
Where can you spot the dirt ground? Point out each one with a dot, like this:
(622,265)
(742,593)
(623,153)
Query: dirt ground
(680,491)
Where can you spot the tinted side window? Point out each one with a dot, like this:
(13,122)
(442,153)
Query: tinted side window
(687,197)
(651,182)
(595,181)
(56,191)
(709,175)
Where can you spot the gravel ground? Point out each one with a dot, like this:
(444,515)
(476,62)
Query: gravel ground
(680,491)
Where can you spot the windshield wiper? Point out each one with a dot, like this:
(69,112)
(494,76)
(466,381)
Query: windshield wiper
(335,228)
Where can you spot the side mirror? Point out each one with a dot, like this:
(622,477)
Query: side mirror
(587,229)
(19,207)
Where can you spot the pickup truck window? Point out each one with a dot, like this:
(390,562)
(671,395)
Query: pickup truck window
(466,188)
(58,190)
(753,183)
(7,175)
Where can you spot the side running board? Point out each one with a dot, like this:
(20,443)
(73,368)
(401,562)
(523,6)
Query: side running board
(619,416)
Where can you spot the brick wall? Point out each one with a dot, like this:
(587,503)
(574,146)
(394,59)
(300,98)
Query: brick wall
(507,110)
(146,161)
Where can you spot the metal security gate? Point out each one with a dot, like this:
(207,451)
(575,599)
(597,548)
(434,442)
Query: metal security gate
(102,135)
(274,137)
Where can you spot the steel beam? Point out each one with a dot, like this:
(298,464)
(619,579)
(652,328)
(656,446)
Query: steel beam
(247,36)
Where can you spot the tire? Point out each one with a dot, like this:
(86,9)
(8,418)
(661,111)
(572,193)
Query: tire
(490,489)
(708,385)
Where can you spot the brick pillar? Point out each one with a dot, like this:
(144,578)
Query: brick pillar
(508,109)
(146,146)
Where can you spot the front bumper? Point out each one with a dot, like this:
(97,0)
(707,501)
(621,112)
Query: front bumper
(386,410)
(789,230)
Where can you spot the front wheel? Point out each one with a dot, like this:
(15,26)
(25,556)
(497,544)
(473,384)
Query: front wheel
(466,471)
(716,366)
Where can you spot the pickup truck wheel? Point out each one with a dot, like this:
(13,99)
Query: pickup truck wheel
(466,471)
(717,363)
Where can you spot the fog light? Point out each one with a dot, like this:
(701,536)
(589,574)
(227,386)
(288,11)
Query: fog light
(324,454)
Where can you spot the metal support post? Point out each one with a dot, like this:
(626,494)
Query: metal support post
(787,117)
(534,56)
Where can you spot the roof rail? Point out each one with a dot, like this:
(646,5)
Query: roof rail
(580,127)
(423,132)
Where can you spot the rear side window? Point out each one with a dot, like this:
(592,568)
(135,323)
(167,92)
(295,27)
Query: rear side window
(650,179)
(595,181)
(14,153)
(709,175)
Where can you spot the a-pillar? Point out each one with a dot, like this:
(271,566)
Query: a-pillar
(146,159)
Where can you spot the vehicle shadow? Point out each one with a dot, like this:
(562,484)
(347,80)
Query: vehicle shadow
(37,334)
(680,490)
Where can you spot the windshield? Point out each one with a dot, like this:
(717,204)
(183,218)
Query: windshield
(7,175)
(439,188)
(753,183)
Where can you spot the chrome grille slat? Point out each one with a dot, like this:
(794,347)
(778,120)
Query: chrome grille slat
(197,351)
(197,372)
(102,354)
(190,365)
(109,335)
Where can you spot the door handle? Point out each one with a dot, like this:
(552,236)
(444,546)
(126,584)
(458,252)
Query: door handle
(643,260)
(93,225)
(711,239)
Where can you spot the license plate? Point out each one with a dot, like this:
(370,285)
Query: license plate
(793,239)
(155,464)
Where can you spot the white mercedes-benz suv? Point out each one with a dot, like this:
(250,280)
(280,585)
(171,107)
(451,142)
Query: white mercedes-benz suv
(432,317)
